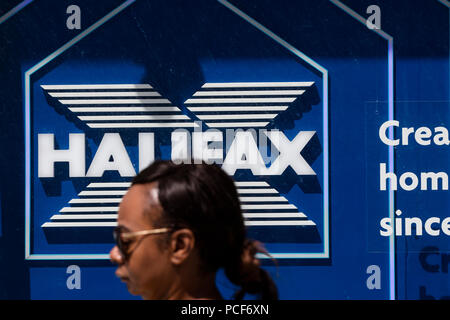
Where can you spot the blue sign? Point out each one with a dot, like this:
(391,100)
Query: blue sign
(331,117)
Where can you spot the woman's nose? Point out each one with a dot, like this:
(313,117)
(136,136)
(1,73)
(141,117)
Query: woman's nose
(115,256)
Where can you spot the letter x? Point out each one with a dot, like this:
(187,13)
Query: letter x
(290,152)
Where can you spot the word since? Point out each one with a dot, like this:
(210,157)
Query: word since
(387,229)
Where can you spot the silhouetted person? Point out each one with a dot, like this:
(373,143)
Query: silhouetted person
(177,225)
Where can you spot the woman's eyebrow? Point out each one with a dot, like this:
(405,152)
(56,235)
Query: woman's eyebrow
(122,227)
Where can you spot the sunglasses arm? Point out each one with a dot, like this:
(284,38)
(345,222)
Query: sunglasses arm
(130,235)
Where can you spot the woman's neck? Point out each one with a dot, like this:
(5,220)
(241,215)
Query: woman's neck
(197,288)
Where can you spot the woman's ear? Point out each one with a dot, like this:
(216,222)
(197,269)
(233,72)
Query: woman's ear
(182,244)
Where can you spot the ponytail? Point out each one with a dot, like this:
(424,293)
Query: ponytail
(246,272)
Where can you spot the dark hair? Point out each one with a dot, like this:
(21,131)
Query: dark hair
(203,198)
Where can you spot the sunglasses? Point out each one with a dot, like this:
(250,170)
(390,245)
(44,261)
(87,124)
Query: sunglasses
(124,240)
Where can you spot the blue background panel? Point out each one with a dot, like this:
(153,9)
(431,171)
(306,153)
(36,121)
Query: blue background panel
(178,47)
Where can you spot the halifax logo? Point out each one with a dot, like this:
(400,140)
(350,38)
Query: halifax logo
(124,127)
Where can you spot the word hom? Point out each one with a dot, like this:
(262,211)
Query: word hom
(409,181)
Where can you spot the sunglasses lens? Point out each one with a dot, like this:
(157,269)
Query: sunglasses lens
(118,241)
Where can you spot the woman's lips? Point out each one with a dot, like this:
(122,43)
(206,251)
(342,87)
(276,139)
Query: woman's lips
(121,276)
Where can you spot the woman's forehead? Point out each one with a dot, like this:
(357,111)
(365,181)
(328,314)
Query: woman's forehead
(140,206)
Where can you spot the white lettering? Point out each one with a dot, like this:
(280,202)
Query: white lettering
(208,146)
(403,181)
(441,137)
(181,152)
(146,149)
(385,223)
(382,132)
(374,280)
(429,229)
(423,135)
(74,155)
(387,175)
(290,152)
(424,176)
(387,230)
(194,310)
(111,146)
(244,154)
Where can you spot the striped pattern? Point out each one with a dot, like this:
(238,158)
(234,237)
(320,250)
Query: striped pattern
(262,205)
(115,106)
(243,104)
(98,204)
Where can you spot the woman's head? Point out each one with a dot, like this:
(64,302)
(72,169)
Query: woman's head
(142,265)
(200,200)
